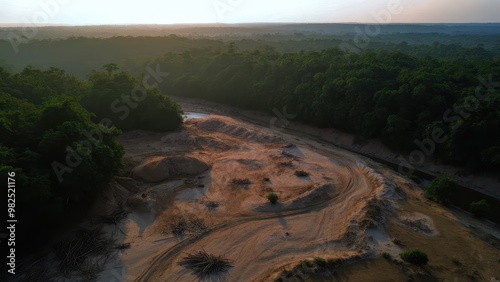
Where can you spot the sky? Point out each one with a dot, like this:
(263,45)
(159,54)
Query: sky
(99,12)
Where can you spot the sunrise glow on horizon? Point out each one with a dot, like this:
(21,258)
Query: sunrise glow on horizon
(91,12)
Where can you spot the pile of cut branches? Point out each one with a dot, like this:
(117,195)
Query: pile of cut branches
(115,217)
(181,225)
(204,264)
(85,252)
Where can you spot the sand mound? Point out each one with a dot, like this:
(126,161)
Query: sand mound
(235,129)
(188,165)
(157,169)
(185,138)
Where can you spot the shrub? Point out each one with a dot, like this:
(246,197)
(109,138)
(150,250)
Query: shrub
(387,256)
(479,208)
(440,189)
(307,263)
(414,256)
(321,262)
(456,261)
(272,197)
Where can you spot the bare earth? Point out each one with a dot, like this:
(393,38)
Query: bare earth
(347,207)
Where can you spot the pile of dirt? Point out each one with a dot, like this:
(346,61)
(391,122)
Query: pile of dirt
(157,169)
(236,129)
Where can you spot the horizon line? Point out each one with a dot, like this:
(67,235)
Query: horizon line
(234,24)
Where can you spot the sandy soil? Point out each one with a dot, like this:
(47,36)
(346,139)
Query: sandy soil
(487,183)
(347,207)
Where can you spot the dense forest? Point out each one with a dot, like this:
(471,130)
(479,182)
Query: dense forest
(80,55)
(58,134)
(58,128)
(401,97)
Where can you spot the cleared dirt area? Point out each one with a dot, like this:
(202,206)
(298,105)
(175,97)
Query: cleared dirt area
(206,187)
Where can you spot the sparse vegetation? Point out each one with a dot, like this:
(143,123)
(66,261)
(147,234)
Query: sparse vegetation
(301,173)
(456,262)
(204,264)
(479,208)
(307,263)
(387,256)
(316,266)
(320,261)
(272,197)
(440,189)
(415,256)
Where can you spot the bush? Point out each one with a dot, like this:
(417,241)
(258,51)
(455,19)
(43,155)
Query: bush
(440,189)
(321,262)
(479,208)
(456,262)
(272,197)
(307,263)
(414,256)
(387,256)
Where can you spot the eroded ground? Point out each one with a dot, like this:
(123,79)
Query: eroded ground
(205,188)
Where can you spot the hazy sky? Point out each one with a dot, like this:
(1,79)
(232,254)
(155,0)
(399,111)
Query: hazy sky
(78,12)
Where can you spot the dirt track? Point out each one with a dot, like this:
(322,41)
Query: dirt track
(343,209)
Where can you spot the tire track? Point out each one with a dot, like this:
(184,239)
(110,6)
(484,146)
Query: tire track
(167,256)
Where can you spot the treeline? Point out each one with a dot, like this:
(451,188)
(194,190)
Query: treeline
(391,95)
(79,55)
(58,134)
